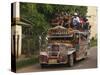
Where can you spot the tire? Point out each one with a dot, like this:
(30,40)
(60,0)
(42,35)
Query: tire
(89,45)
(71,60)
(74,56)
(85,55)
(43,65)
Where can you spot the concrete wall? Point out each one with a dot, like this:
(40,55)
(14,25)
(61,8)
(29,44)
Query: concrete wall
(17,31)
(92,12)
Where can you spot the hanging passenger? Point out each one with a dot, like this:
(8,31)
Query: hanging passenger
(81,23)
(86,24)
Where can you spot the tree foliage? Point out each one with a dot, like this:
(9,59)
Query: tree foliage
(40,15)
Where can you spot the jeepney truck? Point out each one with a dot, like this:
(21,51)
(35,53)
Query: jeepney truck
(64,46)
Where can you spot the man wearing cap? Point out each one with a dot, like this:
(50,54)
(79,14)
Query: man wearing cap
(76,21)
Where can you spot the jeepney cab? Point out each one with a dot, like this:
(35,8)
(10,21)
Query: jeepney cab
(59,49)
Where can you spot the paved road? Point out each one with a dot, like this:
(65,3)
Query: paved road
(90,62)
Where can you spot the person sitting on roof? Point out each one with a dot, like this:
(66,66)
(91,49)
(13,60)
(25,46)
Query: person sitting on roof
(66,20)
(66,23)
(55,21)
(61,21)
(76,21)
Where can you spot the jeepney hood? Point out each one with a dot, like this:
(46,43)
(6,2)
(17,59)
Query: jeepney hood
(44,53)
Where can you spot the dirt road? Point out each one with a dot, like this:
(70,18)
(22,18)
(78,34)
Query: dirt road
(90,62)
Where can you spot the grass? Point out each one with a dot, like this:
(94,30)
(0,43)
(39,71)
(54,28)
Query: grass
(93,42)
(24,63)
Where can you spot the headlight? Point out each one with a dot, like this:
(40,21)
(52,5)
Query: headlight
(43,58)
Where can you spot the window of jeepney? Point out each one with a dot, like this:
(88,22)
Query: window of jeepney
(62,47)
(53,50)
(83,37)
(55,47)
(63,38)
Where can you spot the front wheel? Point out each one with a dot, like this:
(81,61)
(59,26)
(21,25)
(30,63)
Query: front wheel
(43,65)
(71,60)
(85,55)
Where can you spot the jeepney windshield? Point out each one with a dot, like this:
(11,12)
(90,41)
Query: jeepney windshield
(53,47)
(58,38)
(62,38)
(53,50)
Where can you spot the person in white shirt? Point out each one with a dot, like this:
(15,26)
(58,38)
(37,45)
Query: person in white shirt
(76,21)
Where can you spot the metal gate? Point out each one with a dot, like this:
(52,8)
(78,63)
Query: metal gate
(27,41)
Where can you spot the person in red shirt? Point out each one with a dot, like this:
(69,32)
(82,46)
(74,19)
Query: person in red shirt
(81,23)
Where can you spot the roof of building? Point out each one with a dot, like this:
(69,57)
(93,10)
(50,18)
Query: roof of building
(21,21)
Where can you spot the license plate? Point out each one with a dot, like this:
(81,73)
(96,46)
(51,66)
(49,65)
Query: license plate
(52,61)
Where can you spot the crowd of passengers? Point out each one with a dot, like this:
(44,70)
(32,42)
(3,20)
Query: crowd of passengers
(74,21)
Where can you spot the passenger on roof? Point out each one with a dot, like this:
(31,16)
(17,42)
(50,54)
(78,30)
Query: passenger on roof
(55,21)
(76,21)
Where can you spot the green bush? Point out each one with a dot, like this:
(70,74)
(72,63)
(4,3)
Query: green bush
(93,42)
(24,63)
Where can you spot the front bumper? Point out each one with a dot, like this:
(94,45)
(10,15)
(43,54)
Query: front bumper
(54,61)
